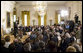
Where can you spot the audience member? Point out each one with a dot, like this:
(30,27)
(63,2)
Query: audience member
(56,38)
(7,41)
(70,49)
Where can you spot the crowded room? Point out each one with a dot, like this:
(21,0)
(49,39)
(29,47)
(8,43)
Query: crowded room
(41,26)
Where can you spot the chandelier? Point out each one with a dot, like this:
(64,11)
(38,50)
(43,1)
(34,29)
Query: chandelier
(40,7)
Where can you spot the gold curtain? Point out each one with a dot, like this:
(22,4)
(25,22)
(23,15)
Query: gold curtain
(56,17)
(39,20)
(14,12)
(22,17)
(61,18)
(28,18)
(45,18)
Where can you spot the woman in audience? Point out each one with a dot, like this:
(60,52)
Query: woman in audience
(51,46)
(78,46)
(78,33)
(12,47)
(42,46)
(27,47)
(20,33)
(7,41)
(65,42)
(70,49)
(3,49)
(17,46)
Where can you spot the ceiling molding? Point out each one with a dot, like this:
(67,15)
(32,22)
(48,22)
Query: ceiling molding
(49,3)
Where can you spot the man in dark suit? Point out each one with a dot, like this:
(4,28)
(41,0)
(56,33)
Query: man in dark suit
(76,18)
(15,28)
(71,26)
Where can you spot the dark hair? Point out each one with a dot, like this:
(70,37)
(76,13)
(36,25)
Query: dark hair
(27,39)
(71,49)
(51,44)
(7,38)
(58,24)
(81,40)
(12,47)
(2,42)
(26,47)
(54,24)
(55,50)
(41,44)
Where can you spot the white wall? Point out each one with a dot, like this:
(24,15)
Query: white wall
(51,13)
(6,6)
(76,7)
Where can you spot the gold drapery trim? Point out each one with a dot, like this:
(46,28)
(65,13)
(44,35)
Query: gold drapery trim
(14,12)
(28,18)
(56,17)
(39,20)
(61,18)
(45,18)
(22,18)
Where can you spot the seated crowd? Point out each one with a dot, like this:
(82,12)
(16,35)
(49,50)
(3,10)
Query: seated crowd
(55,38)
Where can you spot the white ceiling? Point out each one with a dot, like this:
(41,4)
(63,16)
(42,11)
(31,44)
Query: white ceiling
(50,3)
